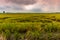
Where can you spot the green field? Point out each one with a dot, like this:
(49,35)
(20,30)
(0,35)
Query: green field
(26,26)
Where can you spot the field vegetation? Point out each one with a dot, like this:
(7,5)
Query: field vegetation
(29,26)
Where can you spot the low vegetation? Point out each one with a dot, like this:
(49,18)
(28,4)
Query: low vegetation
(30,26)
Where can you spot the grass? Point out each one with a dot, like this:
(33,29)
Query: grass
(30,26)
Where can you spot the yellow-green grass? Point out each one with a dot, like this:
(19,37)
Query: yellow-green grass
(26,26)
(28,15)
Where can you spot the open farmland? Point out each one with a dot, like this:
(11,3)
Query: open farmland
(26,26)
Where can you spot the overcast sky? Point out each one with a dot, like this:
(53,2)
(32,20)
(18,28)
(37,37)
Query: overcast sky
(30,5)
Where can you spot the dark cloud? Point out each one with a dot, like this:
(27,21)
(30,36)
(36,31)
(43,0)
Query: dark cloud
(25,2)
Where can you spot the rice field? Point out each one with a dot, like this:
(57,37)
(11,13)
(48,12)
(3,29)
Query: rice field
(28,26)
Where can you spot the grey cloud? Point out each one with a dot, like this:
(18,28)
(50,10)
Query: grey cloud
(25,2)
(2,8)
(36,10)
(17,7)
(11,8)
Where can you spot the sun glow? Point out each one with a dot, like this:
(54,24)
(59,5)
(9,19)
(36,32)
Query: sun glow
(29,7)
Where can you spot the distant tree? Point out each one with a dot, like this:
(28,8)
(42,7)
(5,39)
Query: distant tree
(3,11)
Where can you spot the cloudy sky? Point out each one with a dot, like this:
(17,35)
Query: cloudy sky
(30,5)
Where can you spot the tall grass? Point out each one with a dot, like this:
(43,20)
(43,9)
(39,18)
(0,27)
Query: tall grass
(30,28)
(29,31)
